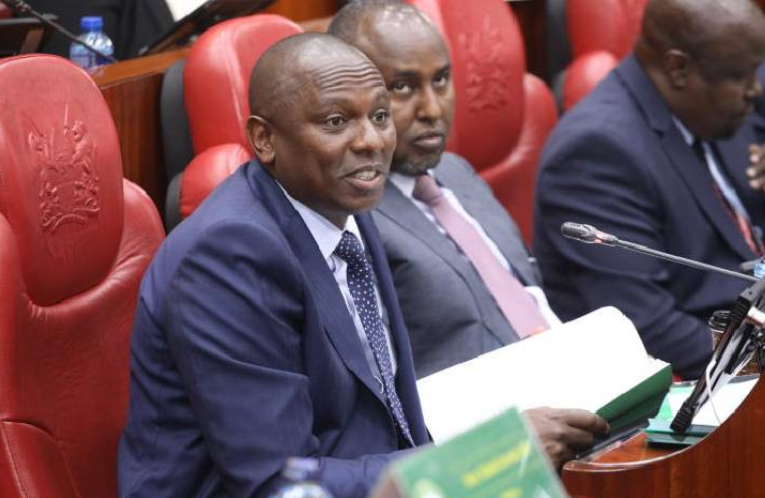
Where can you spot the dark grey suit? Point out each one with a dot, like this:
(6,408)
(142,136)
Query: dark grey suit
(448,310)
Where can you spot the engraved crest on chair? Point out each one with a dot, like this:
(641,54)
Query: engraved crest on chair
(64,159)
(487,76)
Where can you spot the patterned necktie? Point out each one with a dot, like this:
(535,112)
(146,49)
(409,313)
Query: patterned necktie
(362,287)
(516,304)
(737,217)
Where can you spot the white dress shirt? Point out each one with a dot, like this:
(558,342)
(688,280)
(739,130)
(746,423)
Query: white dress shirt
(327,237)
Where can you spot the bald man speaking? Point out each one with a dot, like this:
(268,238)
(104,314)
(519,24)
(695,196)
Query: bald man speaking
(657,154)
(268,325)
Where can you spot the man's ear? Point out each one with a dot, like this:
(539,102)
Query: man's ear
(260,134)
(676,66)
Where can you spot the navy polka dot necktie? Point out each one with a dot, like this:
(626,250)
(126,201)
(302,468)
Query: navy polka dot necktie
(362,287)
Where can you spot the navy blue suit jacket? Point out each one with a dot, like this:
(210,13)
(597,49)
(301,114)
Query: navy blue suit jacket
(244,354)
(618,161)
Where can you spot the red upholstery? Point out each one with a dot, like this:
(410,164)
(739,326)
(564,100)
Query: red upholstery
(502,114)
(5,12)
(600,34)
(75,239)
(585,73)
(217,73)
(206,171)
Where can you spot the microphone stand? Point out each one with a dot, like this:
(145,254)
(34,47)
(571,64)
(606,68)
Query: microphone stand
(744,333)
(591,235)
(21,7)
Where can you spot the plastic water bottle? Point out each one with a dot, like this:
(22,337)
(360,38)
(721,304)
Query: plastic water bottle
(759,268)
(299,479)
(92,34)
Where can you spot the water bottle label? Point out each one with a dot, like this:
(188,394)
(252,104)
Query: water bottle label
(82,60)
(759,268)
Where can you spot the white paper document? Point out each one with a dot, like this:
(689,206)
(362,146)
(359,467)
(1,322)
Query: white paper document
(584,364)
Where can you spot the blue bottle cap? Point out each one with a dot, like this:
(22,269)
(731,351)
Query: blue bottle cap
(92,23)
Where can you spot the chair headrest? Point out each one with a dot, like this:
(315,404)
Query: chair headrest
(60,175)
(217,73)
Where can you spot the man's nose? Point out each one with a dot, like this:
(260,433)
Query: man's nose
(429,107)
(369,137)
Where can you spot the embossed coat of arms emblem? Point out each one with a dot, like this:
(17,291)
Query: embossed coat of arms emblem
(64,159)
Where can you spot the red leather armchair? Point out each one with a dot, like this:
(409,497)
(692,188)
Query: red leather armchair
(75,239)
(600,34)
(502,113)
(215,94)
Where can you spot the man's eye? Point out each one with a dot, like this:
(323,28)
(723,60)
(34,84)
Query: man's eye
(400,87)
(335,121)
(381,117)
(441,80)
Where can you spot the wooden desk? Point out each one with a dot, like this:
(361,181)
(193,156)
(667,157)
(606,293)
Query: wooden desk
(727,463)
(131,90)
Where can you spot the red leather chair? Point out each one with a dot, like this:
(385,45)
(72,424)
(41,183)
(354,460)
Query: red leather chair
(208,170)
(600,34)
(216,102)
(502,113)
(217,76)
(75,239)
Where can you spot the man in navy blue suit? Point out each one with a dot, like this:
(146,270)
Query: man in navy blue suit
(267,325)
(657,154)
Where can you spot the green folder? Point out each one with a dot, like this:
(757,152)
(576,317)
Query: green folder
(639,403)
(497,459)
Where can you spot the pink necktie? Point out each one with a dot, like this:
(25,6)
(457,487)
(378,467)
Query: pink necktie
(516,304)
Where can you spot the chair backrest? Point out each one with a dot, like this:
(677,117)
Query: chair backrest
(502,114)
(600,33)
(609,25)
(217,74)
(75,239)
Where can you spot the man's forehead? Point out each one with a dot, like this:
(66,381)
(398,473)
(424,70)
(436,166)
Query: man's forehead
(400,43)
(343,73)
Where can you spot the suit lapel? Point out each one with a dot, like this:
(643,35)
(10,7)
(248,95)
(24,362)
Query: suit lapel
(694,174)
(332,309)
(498,228)
(701,184)
(397,207)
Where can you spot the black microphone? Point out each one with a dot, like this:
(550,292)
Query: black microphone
(591,235)
(21,7)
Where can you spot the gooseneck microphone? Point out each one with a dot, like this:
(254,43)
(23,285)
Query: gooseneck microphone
(591,235)
(21,7)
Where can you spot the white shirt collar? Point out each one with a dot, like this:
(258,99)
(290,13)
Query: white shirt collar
(687,135)
(406,183)
(326,234)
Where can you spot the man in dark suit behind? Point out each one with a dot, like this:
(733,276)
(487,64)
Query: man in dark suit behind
(656,154)
(267,325)
(449,309)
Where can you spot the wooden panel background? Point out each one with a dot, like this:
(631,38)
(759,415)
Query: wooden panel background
(303,10)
